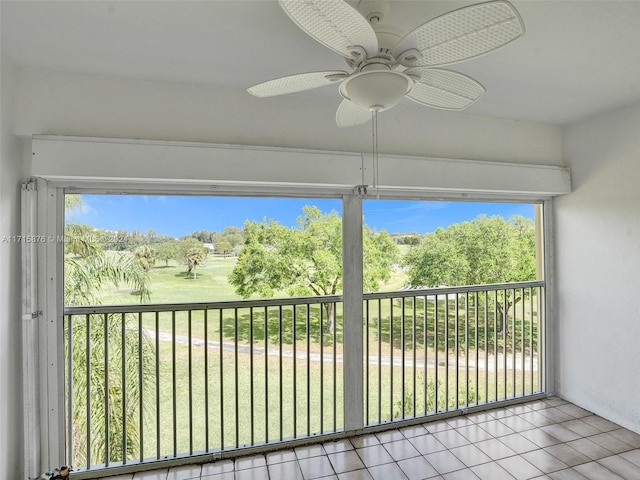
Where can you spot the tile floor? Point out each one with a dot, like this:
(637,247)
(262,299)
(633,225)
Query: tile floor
(544,439)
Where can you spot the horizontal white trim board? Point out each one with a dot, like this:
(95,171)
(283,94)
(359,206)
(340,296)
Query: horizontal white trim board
(180,166)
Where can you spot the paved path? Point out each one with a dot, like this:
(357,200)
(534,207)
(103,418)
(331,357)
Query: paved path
(328,357)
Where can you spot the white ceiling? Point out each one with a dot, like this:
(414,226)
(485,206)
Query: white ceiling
(577,58)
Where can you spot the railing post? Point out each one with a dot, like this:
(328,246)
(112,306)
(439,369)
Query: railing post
(352,312)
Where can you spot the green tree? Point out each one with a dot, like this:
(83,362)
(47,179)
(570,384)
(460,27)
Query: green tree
(203,235)
(166,251)
(483,251)
(88,268)
(306,260)
(223,247)
(233,235)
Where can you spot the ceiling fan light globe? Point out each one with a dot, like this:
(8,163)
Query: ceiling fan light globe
(376,90)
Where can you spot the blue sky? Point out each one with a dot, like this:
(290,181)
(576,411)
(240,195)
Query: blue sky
(180,215)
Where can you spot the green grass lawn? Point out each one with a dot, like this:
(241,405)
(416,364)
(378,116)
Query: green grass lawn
(171,284)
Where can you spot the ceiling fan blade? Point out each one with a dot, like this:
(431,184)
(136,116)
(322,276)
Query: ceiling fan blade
(350,115)
(463,34)
(333,23)
(444,89)
(296,83)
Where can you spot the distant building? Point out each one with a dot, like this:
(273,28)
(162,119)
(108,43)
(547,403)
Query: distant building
(209,247)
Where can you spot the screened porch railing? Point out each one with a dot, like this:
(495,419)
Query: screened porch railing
(145,383)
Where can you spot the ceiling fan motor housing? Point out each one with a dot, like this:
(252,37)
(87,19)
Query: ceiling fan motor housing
(376,87)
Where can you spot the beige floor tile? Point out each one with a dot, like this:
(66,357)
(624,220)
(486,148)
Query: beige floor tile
(567,474)
(389,436)
(600,423)
(309,451)
(253,461)
(451,438)
(417,468)
(387,471)
(470,455)
(611,443)
(474,433)
(413,431)
(257,473)
(541,438)
(401,449)
(519,468)
(160,474)
(220,476)
(427,444)
(518,443)
(491,471)
(589,449)
(544,461)
(315,467)
(567,454)
(620,466)
(466,474)
(517,424)
(633,456)
(595,471)
(285,470)
(495,449)
(355,475)
(345,461)
(374,455)
(280,456)
(561,433)
(626,436)
(338,446)
(497,428)
(364,441)
(444,462)
(214,468)
(185,472)
(574,410)
(580,427)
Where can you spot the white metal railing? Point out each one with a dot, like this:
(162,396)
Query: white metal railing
(437,350)
(145,383)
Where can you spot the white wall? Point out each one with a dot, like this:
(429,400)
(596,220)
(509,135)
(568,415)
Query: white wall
(12,172)
(68,104)
(598,268)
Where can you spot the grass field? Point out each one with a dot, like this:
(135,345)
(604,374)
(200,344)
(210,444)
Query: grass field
(170,283)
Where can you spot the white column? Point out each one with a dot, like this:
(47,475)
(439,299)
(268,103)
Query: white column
(50,300)
(30,321)
(352,311)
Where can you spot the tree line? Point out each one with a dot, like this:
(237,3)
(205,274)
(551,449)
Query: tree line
(226,242)
(307,259)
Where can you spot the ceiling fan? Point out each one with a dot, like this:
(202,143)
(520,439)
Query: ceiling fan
(388,65)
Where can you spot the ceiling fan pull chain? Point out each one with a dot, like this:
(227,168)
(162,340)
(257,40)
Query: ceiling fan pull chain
(374,124)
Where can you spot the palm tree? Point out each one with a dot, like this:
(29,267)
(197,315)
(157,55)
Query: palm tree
(87,269)
(146,257)
(111,363)
(194,258)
